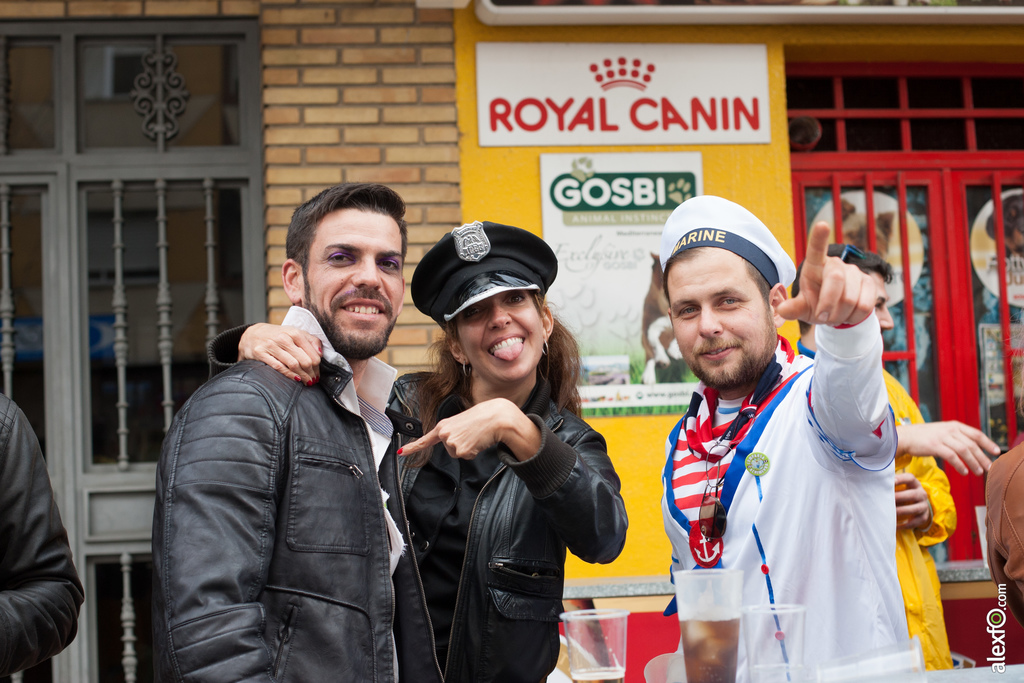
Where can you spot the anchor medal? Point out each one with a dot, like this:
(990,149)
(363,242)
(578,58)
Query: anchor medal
(706,551)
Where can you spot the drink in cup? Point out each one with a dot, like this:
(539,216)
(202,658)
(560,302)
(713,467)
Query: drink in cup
(598,677)
(709,622)
(597,644)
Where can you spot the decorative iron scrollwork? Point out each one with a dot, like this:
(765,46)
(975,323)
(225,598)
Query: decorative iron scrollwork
(159,95)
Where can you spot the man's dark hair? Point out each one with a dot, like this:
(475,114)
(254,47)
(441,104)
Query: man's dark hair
(869,263)
(371,197)
(683,256)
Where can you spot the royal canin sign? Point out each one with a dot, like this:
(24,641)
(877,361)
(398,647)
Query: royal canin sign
(545,94)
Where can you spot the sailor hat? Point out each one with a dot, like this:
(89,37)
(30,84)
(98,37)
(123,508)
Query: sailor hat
(477,261)
(707,221)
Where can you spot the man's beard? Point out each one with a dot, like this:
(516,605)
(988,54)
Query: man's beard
(353,344)
(756,356)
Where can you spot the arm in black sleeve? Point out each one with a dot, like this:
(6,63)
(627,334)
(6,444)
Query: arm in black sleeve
(40,593)
(222,351)
(213,535)
(575,484)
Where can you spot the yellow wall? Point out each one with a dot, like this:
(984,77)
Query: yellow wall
(503,184)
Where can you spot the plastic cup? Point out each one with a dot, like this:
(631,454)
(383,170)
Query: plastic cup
(899,663)
(597,644)
(708,601)
(774,640)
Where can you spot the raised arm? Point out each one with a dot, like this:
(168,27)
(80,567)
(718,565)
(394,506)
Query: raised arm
(848,405)
(289,350)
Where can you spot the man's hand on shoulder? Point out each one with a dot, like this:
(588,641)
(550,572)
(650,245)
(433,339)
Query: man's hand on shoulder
(962,446)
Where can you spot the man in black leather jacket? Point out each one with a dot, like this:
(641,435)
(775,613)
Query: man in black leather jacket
(276,556)
(40,593)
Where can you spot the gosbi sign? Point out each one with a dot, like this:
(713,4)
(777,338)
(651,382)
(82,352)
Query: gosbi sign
(603,215)
(543,94)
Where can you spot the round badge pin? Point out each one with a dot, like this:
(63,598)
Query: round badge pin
(757,464)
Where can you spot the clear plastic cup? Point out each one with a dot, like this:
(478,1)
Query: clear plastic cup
(597,644)
(899,663)
(709,622)
(774,639)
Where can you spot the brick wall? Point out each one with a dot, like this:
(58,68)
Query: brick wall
(361,92)
(352,91)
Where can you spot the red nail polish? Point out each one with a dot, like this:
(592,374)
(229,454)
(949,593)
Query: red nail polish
(309,383)
(399,451)
(297,378)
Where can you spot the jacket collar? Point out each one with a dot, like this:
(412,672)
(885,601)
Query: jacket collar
(335,371)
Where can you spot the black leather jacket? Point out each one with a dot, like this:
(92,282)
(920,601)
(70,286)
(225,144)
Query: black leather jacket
(40,593)
(505,626)
(270,549)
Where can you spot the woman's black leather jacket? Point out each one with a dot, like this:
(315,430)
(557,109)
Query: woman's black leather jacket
(505,626)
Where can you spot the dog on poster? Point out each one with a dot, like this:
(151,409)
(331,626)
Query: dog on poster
(657,339)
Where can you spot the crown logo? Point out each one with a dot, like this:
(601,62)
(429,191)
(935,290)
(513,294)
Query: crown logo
(622,73)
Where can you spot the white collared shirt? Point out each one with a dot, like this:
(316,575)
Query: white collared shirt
(368,403)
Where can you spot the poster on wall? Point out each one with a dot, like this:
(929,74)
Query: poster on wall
(983,246)
(985,263)
(993,381)
(547,94)
(603,215)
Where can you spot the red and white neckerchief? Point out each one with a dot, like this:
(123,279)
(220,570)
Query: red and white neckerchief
(692,465)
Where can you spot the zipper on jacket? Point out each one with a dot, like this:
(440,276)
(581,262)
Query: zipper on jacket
(383,525)
(285,634)
(416,572)
(505,568)
(465,554)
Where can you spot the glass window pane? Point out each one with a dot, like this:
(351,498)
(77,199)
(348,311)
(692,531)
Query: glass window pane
(187,276)
(31,97)
(109,592)
(209,74)
(920,281)
(872,135)
(938,134)
(28,389)
(871,93)
(934,93)
(999,133)
(809,93)
(997,93)
(106,77)
(817,205)
(211,77)
(987,297)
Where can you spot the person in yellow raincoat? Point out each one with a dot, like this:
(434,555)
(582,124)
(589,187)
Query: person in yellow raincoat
(925,513)
(914,564)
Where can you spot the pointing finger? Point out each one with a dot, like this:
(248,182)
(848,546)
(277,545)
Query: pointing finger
(817,246)
(428,440)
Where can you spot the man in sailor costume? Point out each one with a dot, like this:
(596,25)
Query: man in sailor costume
(782,467)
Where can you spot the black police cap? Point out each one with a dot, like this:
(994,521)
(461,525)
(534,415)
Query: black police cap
(450,270)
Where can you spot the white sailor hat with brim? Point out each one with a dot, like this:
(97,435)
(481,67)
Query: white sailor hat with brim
(708,221)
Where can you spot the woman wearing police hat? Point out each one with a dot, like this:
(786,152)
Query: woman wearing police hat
(506,475)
